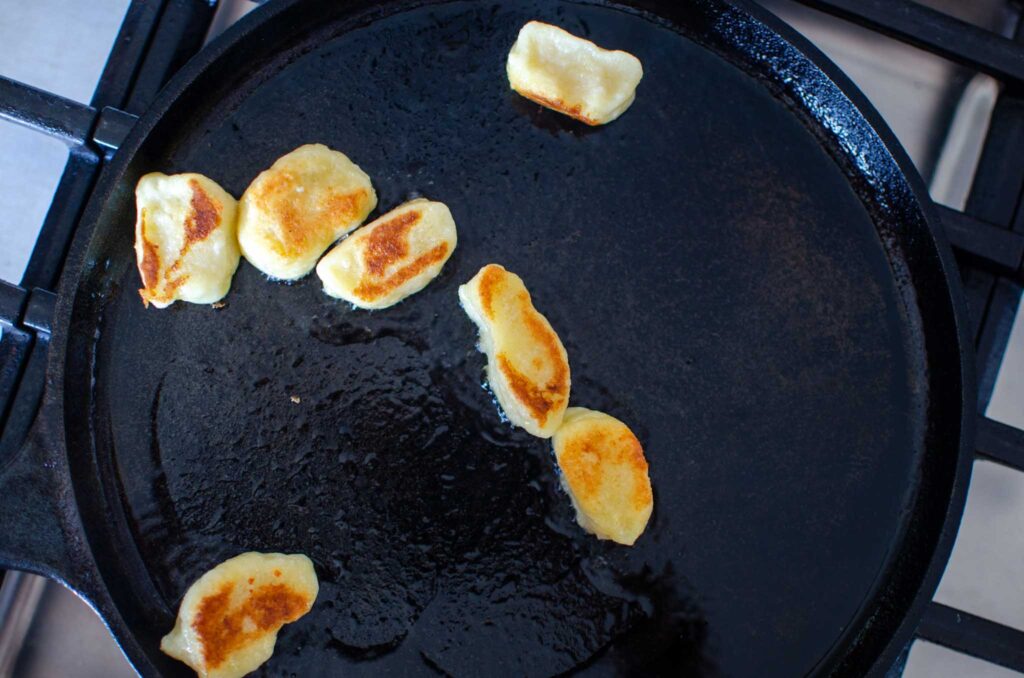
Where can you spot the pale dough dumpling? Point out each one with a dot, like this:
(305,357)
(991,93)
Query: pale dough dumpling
(186,246)
(229,618)
(527,366)
(293,211)
(571,75)
(605,473)
(392,257)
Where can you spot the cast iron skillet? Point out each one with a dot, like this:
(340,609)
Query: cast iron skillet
(741,267)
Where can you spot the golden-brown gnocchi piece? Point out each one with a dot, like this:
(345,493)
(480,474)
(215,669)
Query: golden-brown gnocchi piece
(185,242)
(291,213)
(392,257)
(572,75)
(229,618)
(527,366)
(605,473)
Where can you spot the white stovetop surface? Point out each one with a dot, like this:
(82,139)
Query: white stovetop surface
(62,45)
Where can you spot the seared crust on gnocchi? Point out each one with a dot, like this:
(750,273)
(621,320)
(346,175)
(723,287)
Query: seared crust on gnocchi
(572,75)
(229,618)
(527,366)
(185,242)
(391,258)
(605,473)
(293,211)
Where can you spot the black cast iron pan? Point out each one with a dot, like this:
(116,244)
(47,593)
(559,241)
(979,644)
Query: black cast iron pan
(742,267)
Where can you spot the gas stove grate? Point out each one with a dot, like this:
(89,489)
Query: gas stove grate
(158,36)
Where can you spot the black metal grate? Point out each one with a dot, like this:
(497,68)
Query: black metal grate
(158,36)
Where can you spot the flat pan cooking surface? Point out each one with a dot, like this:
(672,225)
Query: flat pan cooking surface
(717,283)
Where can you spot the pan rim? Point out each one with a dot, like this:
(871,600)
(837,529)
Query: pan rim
(94,588)
(904,632)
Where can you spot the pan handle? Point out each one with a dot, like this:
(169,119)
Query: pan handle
(40,530)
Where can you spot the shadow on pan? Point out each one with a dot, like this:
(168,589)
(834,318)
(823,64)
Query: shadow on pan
(739,267)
